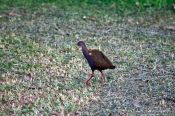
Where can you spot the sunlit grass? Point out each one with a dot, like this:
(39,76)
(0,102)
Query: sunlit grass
(38,77)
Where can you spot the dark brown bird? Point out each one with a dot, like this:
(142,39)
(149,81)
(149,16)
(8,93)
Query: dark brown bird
(96,59)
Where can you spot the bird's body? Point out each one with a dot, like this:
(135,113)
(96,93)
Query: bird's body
(96,60)
(101,62)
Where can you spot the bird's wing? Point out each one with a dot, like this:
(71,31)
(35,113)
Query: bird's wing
(99,59)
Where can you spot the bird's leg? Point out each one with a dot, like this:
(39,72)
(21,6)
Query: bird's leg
(102,77)
(87,82)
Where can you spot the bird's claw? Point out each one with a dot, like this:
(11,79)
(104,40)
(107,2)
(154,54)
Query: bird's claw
(87,83)
(102,81)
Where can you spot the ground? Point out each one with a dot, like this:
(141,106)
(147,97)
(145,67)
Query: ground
(43,72)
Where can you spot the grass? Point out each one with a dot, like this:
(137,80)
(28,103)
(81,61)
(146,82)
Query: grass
(118,6)
(34,77)
(42,71)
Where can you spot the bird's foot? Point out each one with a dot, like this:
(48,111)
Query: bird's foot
(87,83)
(102,80)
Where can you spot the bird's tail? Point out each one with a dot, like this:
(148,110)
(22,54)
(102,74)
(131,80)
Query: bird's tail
(112,67)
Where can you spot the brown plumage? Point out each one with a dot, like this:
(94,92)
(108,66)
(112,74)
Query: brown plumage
(96,59)
(100,60)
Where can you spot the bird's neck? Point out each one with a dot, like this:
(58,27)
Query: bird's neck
(85,50)
(87,56)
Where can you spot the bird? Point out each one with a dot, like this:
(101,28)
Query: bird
(96,60)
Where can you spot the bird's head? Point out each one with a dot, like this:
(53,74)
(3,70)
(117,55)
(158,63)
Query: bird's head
(81,43)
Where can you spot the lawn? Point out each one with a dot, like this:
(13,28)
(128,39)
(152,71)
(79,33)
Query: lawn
(42,71)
